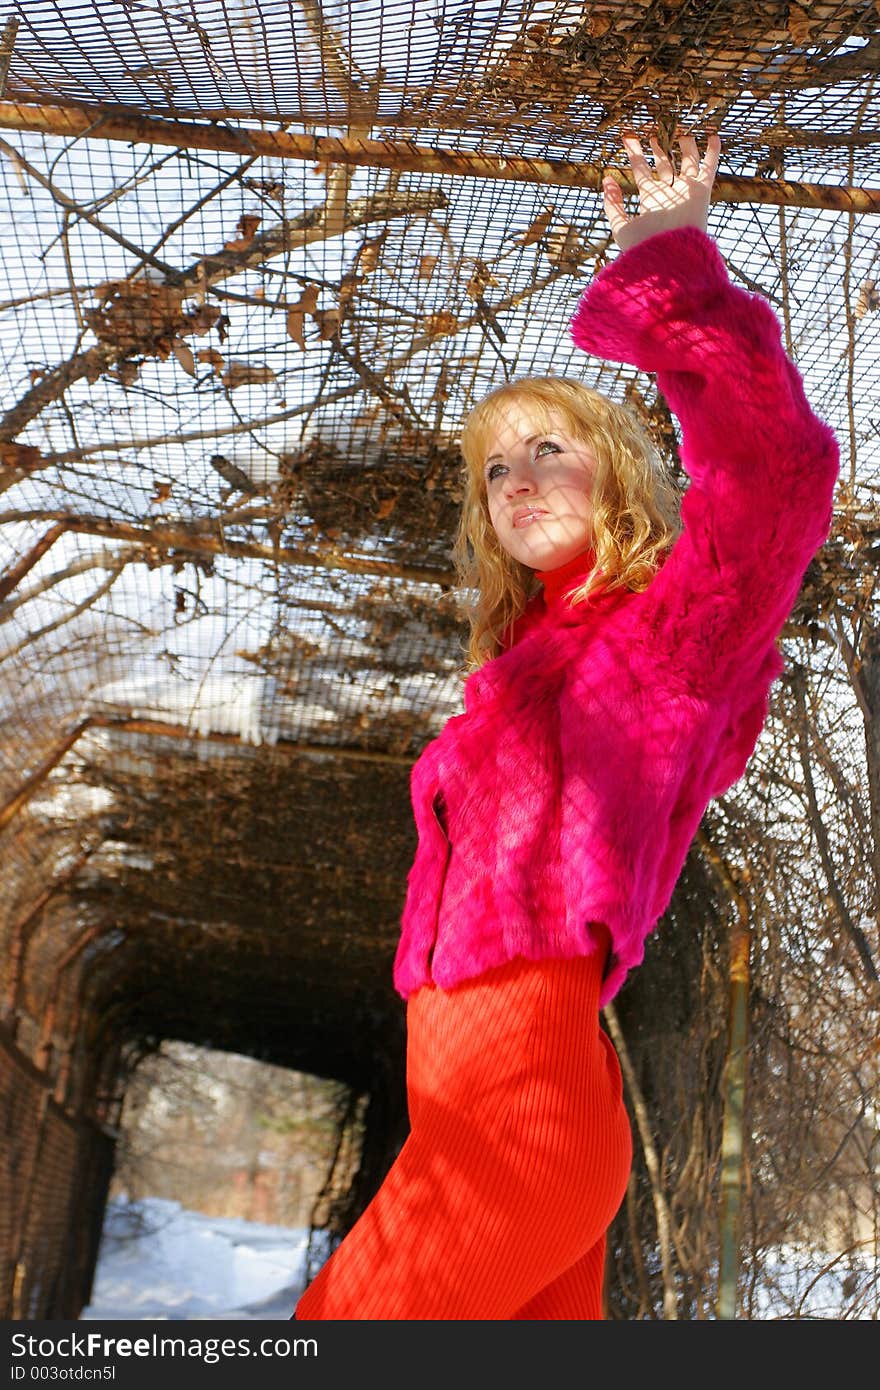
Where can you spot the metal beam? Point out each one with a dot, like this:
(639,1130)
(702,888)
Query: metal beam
(404,156)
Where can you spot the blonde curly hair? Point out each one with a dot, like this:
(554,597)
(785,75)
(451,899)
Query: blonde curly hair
(635,506)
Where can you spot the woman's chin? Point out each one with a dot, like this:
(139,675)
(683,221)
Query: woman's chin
(545,558)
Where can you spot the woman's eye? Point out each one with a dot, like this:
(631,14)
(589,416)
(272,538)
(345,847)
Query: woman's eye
(547,446)
(493,472)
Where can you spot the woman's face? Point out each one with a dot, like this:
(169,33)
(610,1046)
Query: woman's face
(539,485)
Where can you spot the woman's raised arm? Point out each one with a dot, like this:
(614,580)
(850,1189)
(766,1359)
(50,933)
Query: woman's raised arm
(762,465)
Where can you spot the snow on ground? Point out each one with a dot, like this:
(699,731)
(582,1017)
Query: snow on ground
(158,1261)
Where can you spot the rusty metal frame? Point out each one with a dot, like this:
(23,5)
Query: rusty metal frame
(403,156)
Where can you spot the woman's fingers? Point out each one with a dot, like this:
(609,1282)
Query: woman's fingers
(712,156)
(669,197)
(691,165)
(614,206)
(690,156)
(636,155)
(663,166)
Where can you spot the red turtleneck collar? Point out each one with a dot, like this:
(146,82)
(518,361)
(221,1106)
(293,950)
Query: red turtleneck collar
(557,583)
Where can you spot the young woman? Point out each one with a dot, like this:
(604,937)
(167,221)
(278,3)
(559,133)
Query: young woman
(623,656)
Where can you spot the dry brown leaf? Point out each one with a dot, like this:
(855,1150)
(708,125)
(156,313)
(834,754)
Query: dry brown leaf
(134,311)
(386,507)
(213,358)
(367,259)
(244,374)
(145,316)
(635,399)
(296,327)
(184,355)
(296,314)
(20,172)
(247,227)
(564,248)
(162,493)
(440,323)
(328,321)
(441,389)
(126,373)
(308,300)
(636,79)
(19,455)
(201,320)
(537,229)
(107,288)
(868,301)
(800,24)
(427,266)
(348,287)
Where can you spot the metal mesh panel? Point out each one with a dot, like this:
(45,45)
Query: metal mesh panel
(55,1176)
(20,1108)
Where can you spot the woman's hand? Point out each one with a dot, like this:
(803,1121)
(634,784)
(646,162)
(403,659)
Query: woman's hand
(666,199)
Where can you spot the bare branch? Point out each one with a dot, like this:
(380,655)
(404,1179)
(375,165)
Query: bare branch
(27,562)
(100,559)
(300,231)
(193,539)
(65,618)
(652,1161)
(7,43)
(852,929)
(23,299)
(419,344)
(70,206)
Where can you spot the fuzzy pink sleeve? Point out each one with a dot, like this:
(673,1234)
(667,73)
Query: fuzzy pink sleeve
(762,466)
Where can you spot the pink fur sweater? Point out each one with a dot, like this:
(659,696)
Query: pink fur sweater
(569,790)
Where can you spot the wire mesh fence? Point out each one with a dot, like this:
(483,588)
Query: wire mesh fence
(55,1175)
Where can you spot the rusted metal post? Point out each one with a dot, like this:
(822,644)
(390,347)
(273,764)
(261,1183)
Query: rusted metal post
(18,1267)
(404,156)
(44,1046)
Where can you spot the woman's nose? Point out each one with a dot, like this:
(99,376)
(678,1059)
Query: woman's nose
(519,479)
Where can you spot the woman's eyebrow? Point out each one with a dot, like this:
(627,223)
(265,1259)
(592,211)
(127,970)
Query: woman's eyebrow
(530,439)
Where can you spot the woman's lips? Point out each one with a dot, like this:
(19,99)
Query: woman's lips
(527,516)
